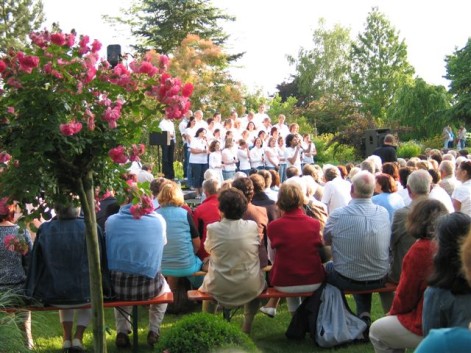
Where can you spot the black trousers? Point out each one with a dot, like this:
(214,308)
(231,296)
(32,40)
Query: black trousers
(168,153)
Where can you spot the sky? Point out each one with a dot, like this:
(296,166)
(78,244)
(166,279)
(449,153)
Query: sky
(269,30)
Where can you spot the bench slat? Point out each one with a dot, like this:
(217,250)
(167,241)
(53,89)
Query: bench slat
(162,299)
(196,295)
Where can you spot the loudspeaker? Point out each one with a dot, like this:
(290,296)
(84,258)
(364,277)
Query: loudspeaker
(159,138)
(373,139)
(113,54)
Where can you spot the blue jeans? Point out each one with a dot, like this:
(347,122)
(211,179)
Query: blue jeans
(228,174)
(281,172)
(362,301)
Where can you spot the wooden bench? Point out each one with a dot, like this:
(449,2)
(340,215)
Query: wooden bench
(271,292)
(165,298)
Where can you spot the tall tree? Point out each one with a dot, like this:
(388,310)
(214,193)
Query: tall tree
(458,72)
(420,108)
(17,19)
(161,25)
(324,69)
(204,64)
(379,65)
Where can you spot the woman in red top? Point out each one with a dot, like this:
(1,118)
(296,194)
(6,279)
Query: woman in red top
(402,327)
(296,241)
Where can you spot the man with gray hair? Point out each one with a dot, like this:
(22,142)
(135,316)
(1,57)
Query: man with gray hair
(360,234)
(447,173)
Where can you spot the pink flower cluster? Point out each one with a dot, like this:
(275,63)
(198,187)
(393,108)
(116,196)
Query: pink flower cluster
(15,244)
(119,154)
(27,62)
(45,38)
(173,95)
(111,115)
(71,128)
(4,157)
(4,206)
(143,207)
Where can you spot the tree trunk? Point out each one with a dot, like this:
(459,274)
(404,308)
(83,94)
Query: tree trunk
(87,201)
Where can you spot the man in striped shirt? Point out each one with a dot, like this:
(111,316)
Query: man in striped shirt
(360,236)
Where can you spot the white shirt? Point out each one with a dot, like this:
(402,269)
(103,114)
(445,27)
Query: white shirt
(462,194)
(289,153)
(229,160)
(198,158)
(308,153)
(283,129)
(256,157)
(243,157)
(336,193)
(167,125)
(182,126)
(271,153)
(144,175)
(439,193)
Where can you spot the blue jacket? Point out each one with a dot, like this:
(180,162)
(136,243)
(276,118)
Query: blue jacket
(58,273)
(135,246)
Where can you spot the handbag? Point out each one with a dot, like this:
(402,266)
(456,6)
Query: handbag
(336,324)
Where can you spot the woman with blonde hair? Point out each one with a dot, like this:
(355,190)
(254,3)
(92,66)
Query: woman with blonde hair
(183,242)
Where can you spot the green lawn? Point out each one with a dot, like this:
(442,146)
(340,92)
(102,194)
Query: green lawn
(267,333)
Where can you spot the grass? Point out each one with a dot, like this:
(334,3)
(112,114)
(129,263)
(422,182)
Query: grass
(268,334)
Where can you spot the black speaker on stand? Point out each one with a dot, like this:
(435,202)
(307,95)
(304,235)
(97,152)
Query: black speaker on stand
(373,139)
(159,139)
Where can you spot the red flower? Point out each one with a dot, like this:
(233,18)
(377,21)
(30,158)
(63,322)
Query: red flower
(147,68)
(118,155)
(27,62)
(70,129)
(163,61)
(4,158)
(58,38)
(4,206)
(3,66)
(187,90)
(70,39)
(111,115)
(96,46)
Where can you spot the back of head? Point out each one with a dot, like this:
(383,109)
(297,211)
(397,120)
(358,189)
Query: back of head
(258,183)
(210,187)
(301,183)
(419,182)
(170,195)
(422,218)
(246,186)
(291,172)
(64,211)
(368,165)
(290,197)
(275,178)
(232,203)
(363,184)
(331,173)
(447,168)
(266,176)
(389,139)
(451,230)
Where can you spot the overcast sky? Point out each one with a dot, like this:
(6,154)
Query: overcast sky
(268,30)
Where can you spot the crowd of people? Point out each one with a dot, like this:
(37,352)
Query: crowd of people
(355,226)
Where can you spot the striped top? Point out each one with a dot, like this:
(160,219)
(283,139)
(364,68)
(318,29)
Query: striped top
(360,235)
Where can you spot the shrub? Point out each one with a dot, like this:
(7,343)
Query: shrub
(409,149)
(333,152)
(203,333)
(11,336)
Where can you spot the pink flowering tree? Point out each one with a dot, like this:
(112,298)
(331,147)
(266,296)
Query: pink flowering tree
(70,122)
